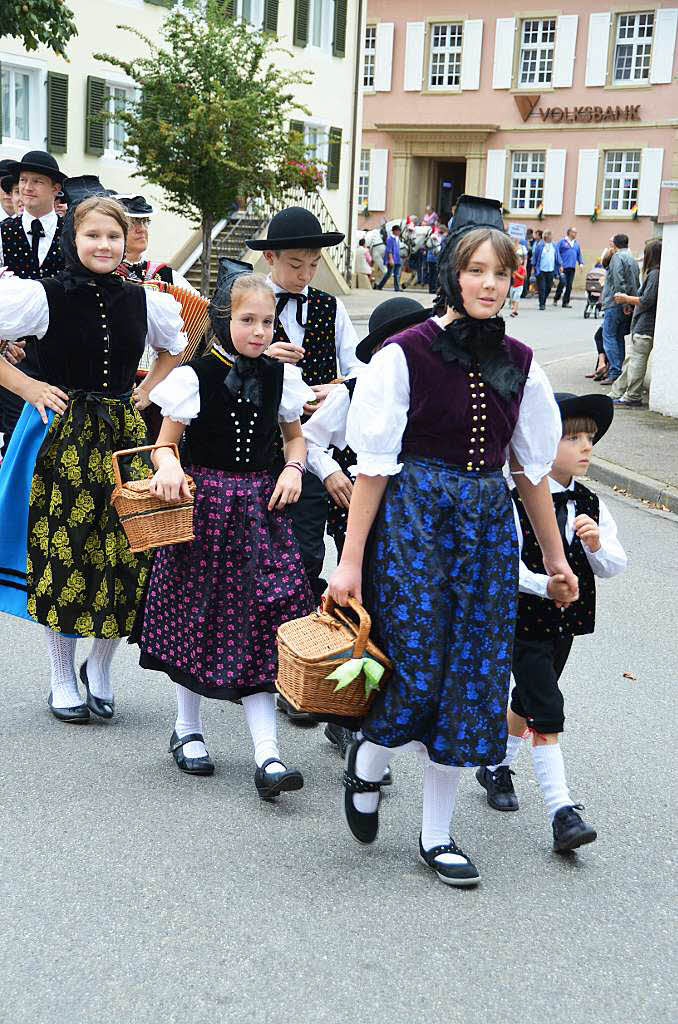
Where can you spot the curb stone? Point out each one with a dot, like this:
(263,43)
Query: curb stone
(638,486)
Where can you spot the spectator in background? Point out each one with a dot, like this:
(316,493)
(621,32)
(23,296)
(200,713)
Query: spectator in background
(546,266)
(433,246)
(362,271)
(392,259)
(518,281)
(430,217)
(10,200)
(627,390)
(569,252)
(529,243)
(622,276)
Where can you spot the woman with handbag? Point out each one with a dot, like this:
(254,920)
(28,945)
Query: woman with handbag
(431,421)
(64,558)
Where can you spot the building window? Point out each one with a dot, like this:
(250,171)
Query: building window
(364,177)
(527,180)
(119,97)
(537,40)
(321,24)
(251,11)
(633,47)
(445,61)
(316,140)
(16,105)
(370,56)
(620,180)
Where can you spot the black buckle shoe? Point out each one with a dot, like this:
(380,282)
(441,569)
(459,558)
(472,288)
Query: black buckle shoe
(190,765)
(461,874)
(500,792)
(76,715)
(296,717)
(342,739)
(570,831)
(363,826)
(99,706)
(271,784)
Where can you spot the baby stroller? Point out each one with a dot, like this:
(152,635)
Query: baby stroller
(595,279)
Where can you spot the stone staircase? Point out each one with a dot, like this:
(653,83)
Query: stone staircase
(230,242)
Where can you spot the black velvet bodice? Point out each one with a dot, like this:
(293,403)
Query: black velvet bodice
(95,337)
(230,433)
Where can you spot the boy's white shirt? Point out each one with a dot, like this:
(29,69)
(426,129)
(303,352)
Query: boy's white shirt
(345,335)
(326,429)
(609,560)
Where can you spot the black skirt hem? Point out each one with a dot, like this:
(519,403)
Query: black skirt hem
(234,694)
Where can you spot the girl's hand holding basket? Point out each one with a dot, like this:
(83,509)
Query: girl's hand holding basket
(169,482)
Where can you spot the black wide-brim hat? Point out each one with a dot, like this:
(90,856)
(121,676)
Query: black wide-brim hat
(389,318)
(83,186)
(7,183)
(40,162)
(136,206)
(599,408)
(295,228)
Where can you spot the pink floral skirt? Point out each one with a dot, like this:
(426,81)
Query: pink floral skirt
(213,606)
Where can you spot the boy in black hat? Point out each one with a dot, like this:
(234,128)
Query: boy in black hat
(544,632)
(7,183)
(312,330)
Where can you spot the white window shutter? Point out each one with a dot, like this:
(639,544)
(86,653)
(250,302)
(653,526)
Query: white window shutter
(596,51)
(504,41)
(554,181)
(414,56)
(587,182)
(471,54)
(383,61)
(563,57)
(651,161)
(665,22)
(495,175)
(376,198)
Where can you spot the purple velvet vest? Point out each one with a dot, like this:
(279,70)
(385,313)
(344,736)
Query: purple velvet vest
(454,415)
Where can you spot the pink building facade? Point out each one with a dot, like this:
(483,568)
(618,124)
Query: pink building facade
(569,117)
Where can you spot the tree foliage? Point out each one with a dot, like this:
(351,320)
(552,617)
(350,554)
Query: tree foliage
(47,22)
(211,124)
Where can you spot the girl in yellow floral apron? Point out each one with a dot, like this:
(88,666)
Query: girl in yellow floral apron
(64,559)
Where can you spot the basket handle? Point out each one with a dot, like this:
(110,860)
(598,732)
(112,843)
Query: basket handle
(135,451)
(364,623)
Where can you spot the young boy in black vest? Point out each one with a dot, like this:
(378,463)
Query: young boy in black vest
(545,632)
(313,331)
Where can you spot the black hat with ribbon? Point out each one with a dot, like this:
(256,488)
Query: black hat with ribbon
(599,408)
(136,206)
(39,162)
(390,318)
(220,304)
(83,186)
(295,228)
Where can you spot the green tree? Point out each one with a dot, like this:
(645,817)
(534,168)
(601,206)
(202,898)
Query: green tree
(211,125)
(47,22)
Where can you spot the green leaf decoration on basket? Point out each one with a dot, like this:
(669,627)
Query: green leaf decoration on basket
(351,669)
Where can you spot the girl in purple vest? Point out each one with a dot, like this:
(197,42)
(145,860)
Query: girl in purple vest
(432,420)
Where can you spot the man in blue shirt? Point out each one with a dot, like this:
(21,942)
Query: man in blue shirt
(570,255)
(392,259)
(546,266)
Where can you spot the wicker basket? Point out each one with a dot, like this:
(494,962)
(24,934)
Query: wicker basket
(148,521)
(309,649)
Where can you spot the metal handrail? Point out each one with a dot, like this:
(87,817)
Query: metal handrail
(340,255)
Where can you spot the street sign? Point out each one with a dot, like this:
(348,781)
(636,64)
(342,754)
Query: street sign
(517,230)
(670,184)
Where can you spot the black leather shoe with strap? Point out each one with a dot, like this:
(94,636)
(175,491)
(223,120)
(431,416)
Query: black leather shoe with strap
(75,715)
(271,784)
(190,765)
(363,826)
(460,872)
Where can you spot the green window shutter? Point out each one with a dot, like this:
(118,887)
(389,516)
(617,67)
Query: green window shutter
(334,158)
(271,16)
(339,40)
(301,20)
(297,128)
(95,129)
(57,112)
(226,7)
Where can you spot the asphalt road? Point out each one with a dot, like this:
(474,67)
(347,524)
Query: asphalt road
(134,894)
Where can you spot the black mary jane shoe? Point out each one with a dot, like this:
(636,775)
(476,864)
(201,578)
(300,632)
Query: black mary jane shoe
(77,715)
(97,705)
(190,765)
(363,826)
(342,739)
(270,784)
(296,717)
(462,874)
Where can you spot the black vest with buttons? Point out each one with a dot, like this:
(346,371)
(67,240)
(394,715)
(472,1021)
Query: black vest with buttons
(231,434)
(539,619)
(94,341)
(319,365)
(337,518)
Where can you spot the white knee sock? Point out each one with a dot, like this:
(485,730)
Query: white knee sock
(550,771)
(440,791)
(99,667)
(61,650)
(370,765)
(512,751)
(260,715)
(188,720)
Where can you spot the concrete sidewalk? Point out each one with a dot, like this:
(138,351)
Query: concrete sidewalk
(640,454)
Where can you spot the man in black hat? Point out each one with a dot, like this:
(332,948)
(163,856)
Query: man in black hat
(544,631)
(7,182)
(29,247)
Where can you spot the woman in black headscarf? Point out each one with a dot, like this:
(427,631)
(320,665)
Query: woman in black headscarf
(64,558)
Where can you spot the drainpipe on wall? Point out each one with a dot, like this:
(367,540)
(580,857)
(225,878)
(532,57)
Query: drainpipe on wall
(354,142)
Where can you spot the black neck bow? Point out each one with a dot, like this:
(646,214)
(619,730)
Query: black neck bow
(283,298)
(244,377)
(482,344)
